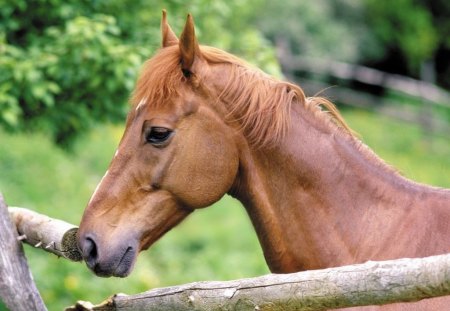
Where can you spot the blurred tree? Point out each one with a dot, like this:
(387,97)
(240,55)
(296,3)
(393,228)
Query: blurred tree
(406,32)
(320,28)
(68,64)
(414,36)
(440,10)
(395,36)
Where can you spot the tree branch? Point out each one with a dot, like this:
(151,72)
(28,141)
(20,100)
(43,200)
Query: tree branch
(52,235)
(371,283)
(17,288)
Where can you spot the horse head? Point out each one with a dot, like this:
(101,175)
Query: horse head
(177,154)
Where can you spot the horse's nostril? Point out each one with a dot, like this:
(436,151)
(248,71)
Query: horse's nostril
(89,250)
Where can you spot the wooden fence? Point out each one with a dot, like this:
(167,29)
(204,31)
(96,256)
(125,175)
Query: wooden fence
(403,280)
(433,112)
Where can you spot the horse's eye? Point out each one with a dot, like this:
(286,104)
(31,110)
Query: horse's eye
(158,135)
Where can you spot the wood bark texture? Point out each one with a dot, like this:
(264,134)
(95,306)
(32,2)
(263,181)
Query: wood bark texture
(17,288)
(52,235)
(371,283)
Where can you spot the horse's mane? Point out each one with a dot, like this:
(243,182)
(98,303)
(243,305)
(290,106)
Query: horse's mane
(259,102)
(160,78)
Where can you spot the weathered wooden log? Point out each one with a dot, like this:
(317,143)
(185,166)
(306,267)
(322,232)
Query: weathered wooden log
(371,283)
(52,235)
(17,288)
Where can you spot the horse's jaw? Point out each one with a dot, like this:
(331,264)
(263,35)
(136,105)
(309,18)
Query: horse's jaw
(110,248)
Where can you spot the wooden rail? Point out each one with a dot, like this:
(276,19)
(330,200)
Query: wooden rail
(370,76)
(431,97)
(371,283)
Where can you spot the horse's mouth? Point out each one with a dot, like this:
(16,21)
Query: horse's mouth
(126,264)
(122,269)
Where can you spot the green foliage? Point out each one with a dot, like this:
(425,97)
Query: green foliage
(440,10)
(404,25)
(73,77)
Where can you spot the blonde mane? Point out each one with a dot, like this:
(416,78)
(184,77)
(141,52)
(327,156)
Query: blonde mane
(260,103)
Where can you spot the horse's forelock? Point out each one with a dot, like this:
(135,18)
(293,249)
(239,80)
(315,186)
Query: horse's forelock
(160,78)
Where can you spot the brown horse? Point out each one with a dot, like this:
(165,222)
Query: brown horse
(204,123)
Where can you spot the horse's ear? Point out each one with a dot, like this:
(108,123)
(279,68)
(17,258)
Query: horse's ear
(168,36)
(189,48)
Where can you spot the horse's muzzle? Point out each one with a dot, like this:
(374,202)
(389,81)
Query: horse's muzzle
(109,260)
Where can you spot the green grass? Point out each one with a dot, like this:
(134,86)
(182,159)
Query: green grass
(216,243)
(416,155)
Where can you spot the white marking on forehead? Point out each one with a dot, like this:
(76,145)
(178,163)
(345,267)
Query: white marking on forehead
(98,186)
(141,103)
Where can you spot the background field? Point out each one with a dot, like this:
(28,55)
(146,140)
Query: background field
(217,243)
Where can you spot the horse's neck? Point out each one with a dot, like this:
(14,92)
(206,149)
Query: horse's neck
(321,200)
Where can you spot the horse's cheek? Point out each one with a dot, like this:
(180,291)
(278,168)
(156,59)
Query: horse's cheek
(204,171)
